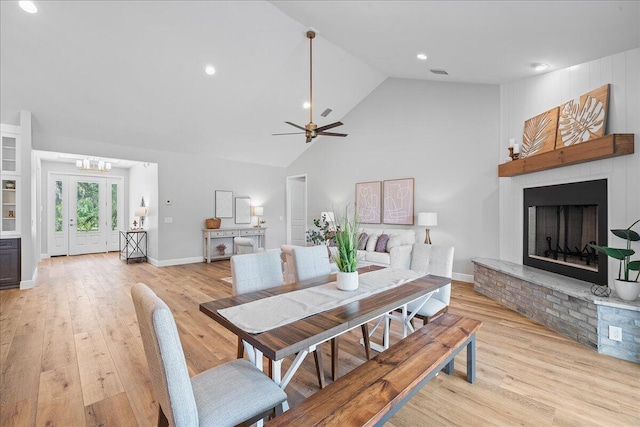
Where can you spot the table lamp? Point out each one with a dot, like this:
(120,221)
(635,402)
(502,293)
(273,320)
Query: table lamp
(258,211)
(428,219)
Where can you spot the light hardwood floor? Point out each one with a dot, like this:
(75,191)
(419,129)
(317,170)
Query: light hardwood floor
(71,355)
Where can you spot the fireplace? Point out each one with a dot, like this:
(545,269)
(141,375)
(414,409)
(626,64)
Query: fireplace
(559,223)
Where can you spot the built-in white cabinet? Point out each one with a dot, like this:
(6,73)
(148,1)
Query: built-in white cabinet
(10,153)
(10,188)
(10,205)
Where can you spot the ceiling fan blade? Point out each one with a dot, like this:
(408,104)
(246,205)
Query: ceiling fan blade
(331,134)
(289,133)
(327,127)
(295,125)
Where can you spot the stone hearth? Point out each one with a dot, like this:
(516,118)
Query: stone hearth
(563,304)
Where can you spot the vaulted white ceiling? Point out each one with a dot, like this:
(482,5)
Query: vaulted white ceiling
(132,73)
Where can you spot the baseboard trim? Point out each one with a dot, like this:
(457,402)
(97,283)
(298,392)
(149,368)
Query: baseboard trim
(170,262)
(44,256)
(28,284)
(462,277)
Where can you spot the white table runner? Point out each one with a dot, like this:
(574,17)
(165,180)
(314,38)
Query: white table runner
(278,310)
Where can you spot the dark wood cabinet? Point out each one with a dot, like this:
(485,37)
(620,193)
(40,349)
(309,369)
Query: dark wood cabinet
(9,263)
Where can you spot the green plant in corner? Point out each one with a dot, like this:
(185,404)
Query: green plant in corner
(323,234)
(623,255)
(347,237)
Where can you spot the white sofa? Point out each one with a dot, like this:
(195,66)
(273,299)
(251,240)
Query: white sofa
(397,252)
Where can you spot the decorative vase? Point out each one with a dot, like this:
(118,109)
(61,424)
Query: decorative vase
(628,291)
(347,281)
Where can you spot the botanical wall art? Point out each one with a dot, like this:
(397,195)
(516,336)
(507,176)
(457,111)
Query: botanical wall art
(539,133)
(368,201)
(583,118)
(243,210)
(398,201)
(224,204)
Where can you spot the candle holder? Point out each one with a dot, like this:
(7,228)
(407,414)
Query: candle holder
(514,156)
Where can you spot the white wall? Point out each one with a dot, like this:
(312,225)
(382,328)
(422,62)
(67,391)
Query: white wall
(189,181)
(445,135)
(524,99)
(143,182)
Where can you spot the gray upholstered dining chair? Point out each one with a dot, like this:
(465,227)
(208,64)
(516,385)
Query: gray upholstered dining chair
(226,395)
(258,271)
(438,260)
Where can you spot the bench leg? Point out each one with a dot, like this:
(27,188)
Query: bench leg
(471,360)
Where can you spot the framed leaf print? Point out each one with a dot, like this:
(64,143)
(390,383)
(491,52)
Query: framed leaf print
(539,133)
(398,201)
(369,201)
(583,118)
(224,204)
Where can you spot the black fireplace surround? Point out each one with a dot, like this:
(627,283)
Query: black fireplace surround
(559,223)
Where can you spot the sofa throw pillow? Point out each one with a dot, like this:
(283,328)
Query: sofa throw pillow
(371,243)
(362,241)
(381,245)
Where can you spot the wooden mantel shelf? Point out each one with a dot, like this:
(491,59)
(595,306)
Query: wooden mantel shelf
(618,144)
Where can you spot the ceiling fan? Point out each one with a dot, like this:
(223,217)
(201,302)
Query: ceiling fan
(311,130)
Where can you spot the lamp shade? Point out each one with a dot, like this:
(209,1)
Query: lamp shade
(328,216)
(258,210)
(141,211)
(428,219)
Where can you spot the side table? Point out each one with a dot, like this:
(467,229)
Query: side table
(133,245)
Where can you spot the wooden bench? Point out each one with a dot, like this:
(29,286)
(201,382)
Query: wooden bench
(371,393)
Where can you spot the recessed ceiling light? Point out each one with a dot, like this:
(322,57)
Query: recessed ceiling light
(306,105)
(28,6)
(539,67)
(421,57)
(210,70)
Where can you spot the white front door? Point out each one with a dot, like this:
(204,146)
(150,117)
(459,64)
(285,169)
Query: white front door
(85,214)
(297,210)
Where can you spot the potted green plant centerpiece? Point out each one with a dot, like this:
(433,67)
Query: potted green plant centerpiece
(626,285)
(346,231)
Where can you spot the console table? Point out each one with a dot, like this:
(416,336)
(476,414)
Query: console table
(135,245)
(210,236)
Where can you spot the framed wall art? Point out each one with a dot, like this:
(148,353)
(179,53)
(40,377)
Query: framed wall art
(243,210)
(397,206)
(369,201)
(539,133)
(224,204)
(583,118)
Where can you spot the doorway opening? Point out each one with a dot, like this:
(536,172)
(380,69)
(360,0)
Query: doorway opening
(85,213)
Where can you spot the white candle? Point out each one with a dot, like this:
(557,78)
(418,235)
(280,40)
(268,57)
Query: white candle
(511,142)
(516,148)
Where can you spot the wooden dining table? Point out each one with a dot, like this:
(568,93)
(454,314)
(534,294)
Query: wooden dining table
(302,336)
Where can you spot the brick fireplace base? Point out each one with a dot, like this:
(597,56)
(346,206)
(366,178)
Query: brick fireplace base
(563,304)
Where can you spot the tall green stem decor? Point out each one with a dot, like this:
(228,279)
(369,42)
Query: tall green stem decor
(347,233)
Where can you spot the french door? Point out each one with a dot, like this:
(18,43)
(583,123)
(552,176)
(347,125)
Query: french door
(84,214)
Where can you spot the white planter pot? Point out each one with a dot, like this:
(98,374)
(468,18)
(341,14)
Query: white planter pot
(628,291)
(347,281)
